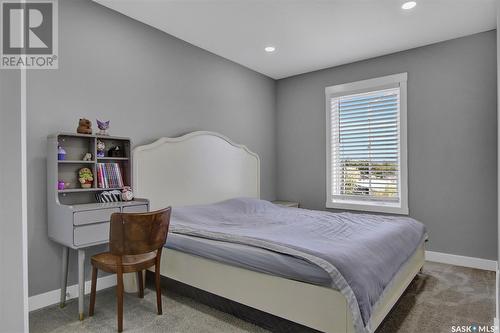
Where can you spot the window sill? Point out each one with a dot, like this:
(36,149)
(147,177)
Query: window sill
(368,207)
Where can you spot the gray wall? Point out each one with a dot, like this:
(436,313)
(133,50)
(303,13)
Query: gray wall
(12,291)
(452,147)
(149,85)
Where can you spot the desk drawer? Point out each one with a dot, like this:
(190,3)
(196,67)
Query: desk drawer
(91,234)
(135,209)
(94,216)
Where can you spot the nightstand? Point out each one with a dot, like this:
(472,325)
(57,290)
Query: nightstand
(286,203)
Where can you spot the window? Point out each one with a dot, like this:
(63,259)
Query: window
(366,145)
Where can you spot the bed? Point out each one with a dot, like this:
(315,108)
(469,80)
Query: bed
(204,168)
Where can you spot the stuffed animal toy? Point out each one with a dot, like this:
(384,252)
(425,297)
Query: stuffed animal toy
(84,126)
(87,157)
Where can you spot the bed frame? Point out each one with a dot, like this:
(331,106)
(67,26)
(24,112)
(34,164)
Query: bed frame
(206,167)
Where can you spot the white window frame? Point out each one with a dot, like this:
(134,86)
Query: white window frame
(380,83)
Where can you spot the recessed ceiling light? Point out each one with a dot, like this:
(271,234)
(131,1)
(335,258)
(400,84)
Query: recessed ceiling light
(409,5)
(269,49)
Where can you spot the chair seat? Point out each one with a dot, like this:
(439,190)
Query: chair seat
(130,263)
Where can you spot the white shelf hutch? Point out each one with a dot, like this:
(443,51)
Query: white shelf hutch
(75,219)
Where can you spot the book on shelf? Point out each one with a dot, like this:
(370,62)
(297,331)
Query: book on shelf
(109,175)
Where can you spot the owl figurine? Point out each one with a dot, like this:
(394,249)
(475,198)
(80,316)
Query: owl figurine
(103,127)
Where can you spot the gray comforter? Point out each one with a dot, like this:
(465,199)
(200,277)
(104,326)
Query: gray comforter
(361,252)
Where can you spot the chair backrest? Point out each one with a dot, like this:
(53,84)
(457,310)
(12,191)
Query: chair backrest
(138,233)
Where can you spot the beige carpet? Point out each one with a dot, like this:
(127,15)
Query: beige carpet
(440,297)
(443,296)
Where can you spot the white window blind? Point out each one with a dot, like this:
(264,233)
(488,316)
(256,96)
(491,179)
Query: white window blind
(365,149)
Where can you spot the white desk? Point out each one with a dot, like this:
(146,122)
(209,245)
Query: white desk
(81,226)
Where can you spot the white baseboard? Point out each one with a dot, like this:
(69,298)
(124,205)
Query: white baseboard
(453,259)
(53,297)
(497,293)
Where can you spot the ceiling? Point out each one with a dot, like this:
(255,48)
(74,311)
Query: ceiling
(309,34)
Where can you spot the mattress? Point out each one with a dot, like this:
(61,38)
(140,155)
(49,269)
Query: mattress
(252,258)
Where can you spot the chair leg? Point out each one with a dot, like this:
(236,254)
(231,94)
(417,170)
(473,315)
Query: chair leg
(158,287)
(141,284)
(92,291)
(119,299)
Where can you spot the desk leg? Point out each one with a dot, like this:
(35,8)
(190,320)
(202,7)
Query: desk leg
(81,281)
(64,275)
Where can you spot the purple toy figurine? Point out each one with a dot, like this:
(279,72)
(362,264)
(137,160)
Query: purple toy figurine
(61,153)
(103,127)
(60,185)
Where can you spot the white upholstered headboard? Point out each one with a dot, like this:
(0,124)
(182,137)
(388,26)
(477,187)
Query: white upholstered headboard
(196,168)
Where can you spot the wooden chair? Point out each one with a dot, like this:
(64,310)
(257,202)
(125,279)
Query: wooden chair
(135,244)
